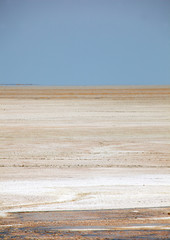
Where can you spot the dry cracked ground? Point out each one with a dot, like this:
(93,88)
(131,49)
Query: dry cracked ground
(84,163)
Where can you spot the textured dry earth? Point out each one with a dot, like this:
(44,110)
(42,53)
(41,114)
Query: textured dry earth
(133,223)
(84,149)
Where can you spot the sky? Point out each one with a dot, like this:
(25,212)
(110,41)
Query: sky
(85,42)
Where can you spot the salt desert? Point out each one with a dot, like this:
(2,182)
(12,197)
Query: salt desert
(85,148)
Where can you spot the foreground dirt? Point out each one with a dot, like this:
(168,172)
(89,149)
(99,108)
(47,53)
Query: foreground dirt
(153,223)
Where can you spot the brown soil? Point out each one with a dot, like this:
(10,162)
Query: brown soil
(149,223)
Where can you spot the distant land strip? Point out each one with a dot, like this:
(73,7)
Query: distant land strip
(42,92)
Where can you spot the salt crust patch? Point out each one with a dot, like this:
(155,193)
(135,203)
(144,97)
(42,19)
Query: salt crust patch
(77,192)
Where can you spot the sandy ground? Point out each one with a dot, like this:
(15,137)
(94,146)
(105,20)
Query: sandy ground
(84,148)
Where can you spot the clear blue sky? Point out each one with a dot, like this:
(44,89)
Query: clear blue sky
(85,42)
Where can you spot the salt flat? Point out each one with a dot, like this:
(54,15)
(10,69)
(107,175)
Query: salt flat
(77,189)
(84,148)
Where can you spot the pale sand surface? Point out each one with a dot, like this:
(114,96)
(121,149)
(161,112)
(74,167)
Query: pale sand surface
(95,150)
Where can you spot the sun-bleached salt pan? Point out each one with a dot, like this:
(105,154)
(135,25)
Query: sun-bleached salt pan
(102,190)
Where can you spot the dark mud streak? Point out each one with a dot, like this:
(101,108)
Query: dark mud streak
(88,224)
